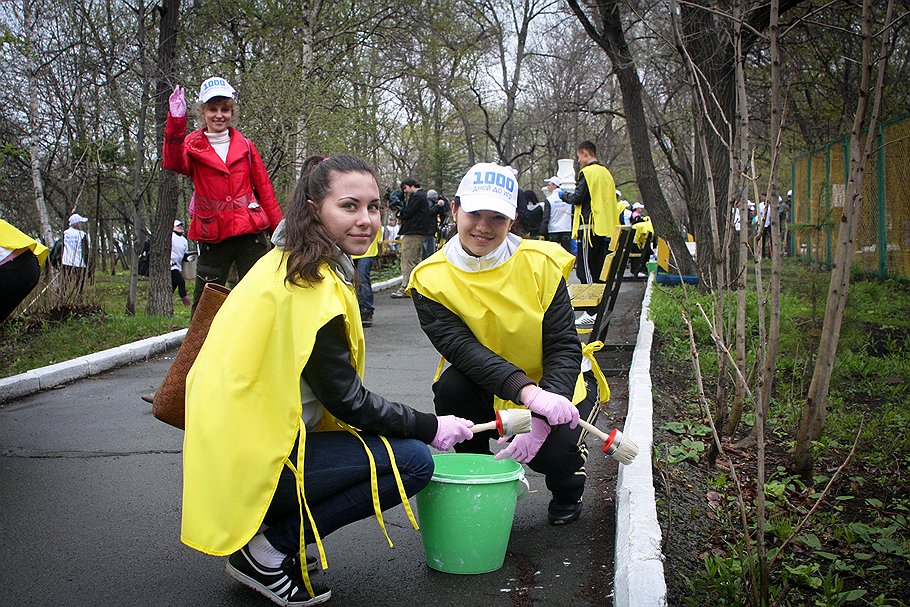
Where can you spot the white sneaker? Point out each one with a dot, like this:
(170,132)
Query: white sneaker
(585,321)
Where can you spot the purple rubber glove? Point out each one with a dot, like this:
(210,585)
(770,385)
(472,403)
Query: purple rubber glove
(524,447)
(450,431)
(557,409)
(177,102)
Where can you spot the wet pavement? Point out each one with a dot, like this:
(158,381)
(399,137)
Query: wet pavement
(91,500)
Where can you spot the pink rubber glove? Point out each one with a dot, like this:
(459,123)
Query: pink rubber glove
(450,431)
(524,447)
(177,103)
(557,409)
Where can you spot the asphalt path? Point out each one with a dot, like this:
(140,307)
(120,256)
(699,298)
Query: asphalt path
(91,487)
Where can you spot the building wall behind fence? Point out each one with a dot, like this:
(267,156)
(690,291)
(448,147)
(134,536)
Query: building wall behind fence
(819,191)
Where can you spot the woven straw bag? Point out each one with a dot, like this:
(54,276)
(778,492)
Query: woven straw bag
(169,403)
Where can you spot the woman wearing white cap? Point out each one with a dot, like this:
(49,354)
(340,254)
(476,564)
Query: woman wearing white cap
(75,254)
(497,308)
(233,206)
(638,210)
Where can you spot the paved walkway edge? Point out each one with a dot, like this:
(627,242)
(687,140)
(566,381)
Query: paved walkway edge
(17,386)
(639,571)
(30,382)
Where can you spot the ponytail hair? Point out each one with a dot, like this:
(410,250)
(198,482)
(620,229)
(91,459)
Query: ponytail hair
(307,243)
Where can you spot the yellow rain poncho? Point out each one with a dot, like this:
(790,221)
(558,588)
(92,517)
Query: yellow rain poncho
(243,403)
(503,306)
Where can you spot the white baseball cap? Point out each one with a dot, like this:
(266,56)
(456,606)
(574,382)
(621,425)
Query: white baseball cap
(638,205)
(178,223)
(489,187)
(77,218)
(554,180)
(216,86)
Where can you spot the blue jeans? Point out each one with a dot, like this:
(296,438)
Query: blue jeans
(337,484)
(429,246)
(365,285)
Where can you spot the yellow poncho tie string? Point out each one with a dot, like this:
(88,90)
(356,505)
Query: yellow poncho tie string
(503,306)
(243,406)
(604,211)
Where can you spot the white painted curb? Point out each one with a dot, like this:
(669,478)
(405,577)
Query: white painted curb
(386,284)
(639,570)
(17,386)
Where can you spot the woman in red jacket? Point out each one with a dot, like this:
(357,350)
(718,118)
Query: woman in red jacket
(233,208)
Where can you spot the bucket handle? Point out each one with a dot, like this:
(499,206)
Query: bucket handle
(523,487)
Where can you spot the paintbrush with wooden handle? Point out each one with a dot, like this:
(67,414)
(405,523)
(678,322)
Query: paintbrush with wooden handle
(508,422)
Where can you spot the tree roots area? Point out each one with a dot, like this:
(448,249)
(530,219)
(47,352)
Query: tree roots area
(853,549)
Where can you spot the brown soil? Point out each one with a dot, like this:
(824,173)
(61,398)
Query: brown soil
(700,516)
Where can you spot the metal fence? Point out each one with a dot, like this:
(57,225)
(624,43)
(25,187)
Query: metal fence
(819,189)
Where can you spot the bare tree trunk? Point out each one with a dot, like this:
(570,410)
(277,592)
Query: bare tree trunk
(34,152)
(717,279)
(160,299)
(309,15)
(138,217)
(770,347)
(771,343)
(612,40)
(812,419)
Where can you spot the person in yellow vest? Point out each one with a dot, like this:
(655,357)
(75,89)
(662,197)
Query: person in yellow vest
(280,369)
(640,244)
(596,213)
(21,258)
(497,308)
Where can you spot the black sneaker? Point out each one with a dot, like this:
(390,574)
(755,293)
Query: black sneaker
(283,585)
(563,514)
(366,318)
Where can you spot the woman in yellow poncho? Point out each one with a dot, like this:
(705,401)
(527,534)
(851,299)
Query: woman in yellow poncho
(497,308)
(281,366)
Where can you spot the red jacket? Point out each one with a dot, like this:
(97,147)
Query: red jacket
(230,198)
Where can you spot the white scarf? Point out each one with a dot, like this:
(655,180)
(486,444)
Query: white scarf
(463,260)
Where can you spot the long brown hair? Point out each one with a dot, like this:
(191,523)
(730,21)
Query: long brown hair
(307,243)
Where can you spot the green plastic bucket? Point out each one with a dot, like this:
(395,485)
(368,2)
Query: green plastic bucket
(466,512)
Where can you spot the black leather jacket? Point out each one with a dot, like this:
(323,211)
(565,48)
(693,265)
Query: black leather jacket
(455,341)
(417,218)
(335,383)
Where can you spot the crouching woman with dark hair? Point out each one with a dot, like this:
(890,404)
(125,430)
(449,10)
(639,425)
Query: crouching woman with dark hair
(264,474)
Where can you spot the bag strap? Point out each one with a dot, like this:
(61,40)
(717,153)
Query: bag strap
(249,157)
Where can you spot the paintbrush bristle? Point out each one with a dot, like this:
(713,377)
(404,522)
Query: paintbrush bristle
(514,421)
(623,449)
